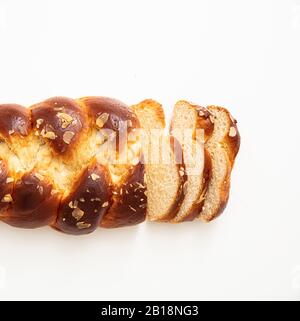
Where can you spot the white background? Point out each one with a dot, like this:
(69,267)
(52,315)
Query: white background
(241,54)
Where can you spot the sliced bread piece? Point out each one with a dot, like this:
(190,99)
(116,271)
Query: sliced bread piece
(163,163)
(223,147)
(192,126)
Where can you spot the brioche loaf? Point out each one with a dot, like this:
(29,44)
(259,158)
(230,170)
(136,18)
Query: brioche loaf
(79,164)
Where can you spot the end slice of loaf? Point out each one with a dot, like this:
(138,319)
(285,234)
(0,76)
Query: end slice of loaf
(191,125)
(223,146)
(163,157)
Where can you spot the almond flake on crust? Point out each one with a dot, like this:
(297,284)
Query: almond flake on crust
(68,136)
(82,225)
(77,213)
(102,119)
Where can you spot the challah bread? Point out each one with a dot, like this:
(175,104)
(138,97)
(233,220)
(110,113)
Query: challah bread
(79,164)
(165,170)
(58,167)
(192,126)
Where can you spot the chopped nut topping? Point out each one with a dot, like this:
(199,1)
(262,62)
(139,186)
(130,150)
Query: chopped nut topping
(201,113)
(11,131)
(105,204)
(36,133)
(49,135)
(39,122)
(232,132)
(133,209)
(66,119)
(40,189)
(54,191)
(9,180)
(102,119)
(77,213)
(140,185)
(83,225)
(67,136)
(181,171)
(23,129)
(7,198)
(73,204)
(39,176)
(94,176)
(82,200)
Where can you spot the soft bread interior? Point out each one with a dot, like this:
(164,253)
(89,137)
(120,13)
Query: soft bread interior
(184,122)
(218,189)
(164,183)
(33,153)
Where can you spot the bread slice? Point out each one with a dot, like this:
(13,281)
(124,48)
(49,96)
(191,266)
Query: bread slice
(223,146)
(163,163)
(191,125)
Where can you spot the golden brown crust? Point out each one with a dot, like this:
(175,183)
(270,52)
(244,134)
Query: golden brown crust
(60,121)
(129,200)
(82,210)
(32,204)
(157,110)
(231,144)
(14,121)
(6,187)
(60,127)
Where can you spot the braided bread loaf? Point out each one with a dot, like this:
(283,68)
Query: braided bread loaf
(79,164)
(59,166)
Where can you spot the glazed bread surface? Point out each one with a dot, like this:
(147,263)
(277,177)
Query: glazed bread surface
(79,164)
(60,165)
